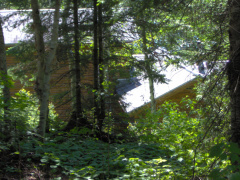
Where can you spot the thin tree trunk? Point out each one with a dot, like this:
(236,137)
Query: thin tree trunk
(234,68)
(152,93)
(79,111)
(44,61)
(5,82)
(70,57)
(72,122)
(78,103)
(101,70)
(149,71)
(95,62)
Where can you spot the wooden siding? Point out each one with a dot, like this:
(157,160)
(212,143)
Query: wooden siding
(60,86)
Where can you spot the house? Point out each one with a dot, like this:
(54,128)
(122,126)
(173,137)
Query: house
(180,83)
(135,94)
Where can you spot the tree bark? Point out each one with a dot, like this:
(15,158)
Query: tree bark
(234,68)
(5,82)
(78,103)
(95,62)
(148,67)
(81,121)
(44,61)
(101,70)
(70,56)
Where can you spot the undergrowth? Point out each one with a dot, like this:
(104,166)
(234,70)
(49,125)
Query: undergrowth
(169,144)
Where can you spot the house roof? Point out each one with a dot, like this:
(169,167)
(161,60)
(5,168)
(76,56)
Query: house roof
(138,96)
(12,32)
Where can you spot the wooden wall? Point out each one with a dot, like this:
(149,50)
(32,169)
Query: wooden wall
(60,86)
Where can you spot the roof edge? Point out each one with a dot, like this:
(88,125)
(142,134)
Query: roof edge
(184,84)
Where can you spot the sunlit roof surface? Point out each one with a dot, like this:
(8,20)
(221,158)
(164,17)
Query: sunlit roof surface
(12,34)
(140,95)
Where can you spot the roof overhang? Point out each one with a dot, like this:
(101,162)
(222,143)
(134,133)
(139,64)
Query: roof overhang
(140,95)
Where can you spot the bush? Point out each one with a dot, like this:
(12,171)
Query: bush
(24,114)
(181,129)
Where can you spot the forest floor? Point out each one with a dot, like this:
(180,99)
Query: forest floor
(70,156)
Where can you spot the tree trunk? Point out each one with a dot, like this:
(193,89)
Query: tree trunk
(101,70)
(44,61)
(70,56)
(148,67)
(234,68)
(71,59)
(4,81)
(151,88)
(95,62)
(78,103)
(81,121)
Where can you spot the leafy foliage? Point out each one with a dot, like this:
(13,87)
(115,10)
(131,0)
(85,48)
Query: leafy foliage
(170,146)
(181,129)
(24,113)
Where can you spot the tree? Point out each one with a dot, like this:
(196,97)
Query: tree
(234,69)
(95,62)
(149,67)
(148,24)
(45,59)
(101,67)
(4,82)
(99,104)
(78,103)
(75,32)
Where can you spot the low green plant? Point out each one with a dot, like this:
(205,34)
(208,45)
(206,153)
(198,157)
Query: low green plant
(77,157)
(24,115)
(172,144)
(227,161)
(181,128)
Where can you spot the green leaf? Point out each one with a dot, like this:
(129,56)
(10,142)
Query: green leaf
(235,176)
(44,160)
(53,166)
(215,174)
(180,159)
(216,150)
(223,156)
(136,165)
(234,148)
(234,158)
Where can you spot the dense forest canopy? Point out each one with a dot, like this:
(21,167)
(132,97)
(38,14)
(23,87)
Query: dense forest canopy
(107,48)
